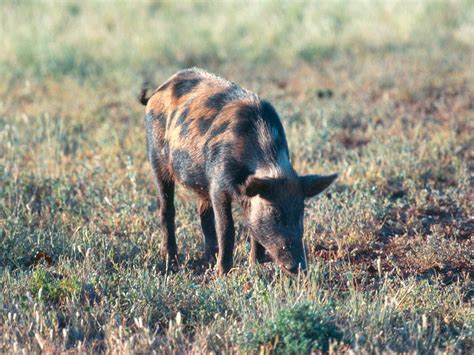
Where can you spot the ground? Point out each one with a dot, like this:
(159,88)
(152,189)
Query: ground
(380,92)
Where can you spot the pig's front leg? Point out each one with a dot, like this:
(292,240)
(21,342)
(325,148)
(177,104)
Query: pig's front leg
(222,205)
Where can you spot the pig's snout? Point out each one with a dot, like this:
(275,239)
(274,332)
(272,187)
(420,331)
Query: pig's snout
(291,259)
(295,267)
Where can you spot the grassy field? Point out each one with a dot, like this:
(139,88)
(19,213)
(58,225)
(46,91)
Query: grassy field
(381,92)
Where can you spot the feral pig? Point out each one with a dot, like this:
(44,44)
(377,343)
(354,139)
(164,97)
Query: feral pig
(226,144)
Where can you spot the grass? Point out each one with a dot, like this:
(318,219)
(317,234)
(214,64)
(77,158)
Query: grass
(390,245)
(296,329)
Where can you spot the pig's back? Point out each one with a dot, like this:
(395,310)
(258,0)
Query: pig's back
(204,130)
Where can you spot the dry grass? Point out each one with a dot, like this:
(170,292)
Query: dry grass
(390,244)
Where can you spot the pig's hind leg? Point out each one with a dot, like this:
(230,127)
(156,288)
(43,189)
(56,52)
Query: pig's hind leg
(167,213)
(169,250)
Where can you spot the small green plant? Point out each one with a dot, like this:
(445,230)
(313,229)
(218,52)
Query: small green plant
(51,287)
(297,330)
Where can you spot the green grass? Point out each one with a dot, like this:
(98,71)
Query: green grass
(390,244)
(297,329)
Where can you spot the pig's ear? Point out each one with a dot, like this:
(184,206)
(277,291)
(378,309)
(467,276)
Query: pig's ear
(315,184)
(257,186)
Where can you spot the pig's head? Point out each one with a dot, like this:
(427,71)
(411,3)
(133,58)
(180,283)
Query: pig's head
(274,210)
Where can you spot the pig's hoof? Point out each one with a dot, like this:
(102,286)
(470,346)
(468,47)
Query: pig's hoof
(170,259)
(210,259)
(210,256)
(223,269)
